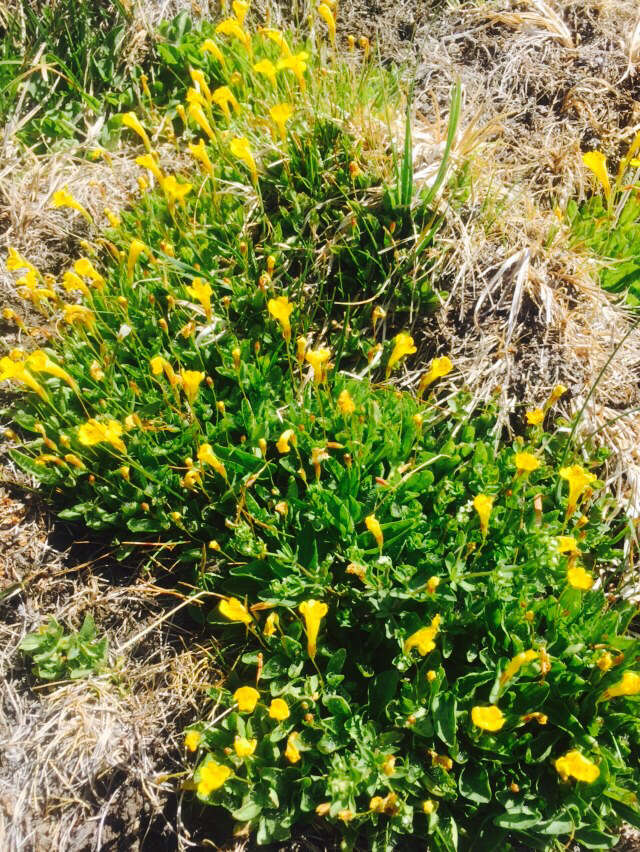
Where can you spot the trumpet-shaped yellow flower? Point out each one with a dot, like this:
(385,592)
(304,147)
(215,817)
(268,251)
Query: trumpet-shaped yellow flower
(240,9)
(597,163)
(197,115)
(402,346)
(175,191)
(483,505)
(301,348)
(199,151)
(198,79)
(267,68)
(136,248)
(48,458)
(39,362)
(281,309)
(212,776)
(270,625)
(191,381)
(209,46)
(535,417)
(297,64)
(63,198)
(244,747)
(201,291)
(526,462)
(239,147)
(222,97)
(93,432)
(579,480)
(192,740)
(78,314)
(130,120)
(278,38)
(15,261)
(424,639)
(327,16)
(291,752)
(114,220)
(554,396)
(629,685)
(319,360)
(195,97)
(280,115)
(432,585)
(247,697)
(192,479)
(576,765)
(516,663)
(373,525)
(578,578)
(346,405)
(235,610)
(84,267)
(207,456)
(148,161)
(282,444)
(488,718)
(439,368)
(279,710)
(16,371)
(313,612)
(230,27)
(567,544)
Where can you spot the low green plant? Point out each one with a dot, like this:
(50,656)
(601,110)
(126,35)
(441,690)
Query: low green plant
(57,655)
(417,644)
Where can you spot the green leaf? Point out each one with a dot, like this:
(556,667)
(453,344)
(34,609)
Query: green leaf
(443,710)
(518,821)
(474,784)
(247,811)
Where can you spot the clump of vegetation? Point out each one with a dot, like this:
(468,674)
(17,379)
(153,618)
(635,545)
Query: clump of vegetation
(415,606)
(57,655)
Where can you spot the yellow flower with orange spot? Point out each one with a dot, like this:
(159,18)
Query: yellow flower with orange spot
(488,718)
(271,624)
(313,612)
(483,504)
(402,346)
(579,480)
(281,309)
(373,525)
(191,381)
(287,437)
(628,685)
(516,663)
(318,359)
(235,610)
(424,638)
(291,752)
(575,765)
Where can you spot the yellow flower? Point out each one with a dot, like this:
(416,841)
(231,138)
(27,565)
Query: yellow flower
(432,585)
(235,610)
(428,806)
(526,463)
(175,191)
(244,747)
(191,479)
(297,64)
(578,578)
(281,309)
(579,480)
(136,248)
(230,27)
(266,67)
(199,151)
(327,15)
(279,710)
(197,115)
(39,362)
(240,9)
(191,380)
(417,420)
(207,456)
(198,80)
(246,697)
(192,740)
(196,98)
(567,544)
(516,663)
(47,458)
(373,525)
(201,291)
(576,765)
(278,38)
(72,459)
(78,314)
(555,395)
(301,348)
(431,675)
(313,612)
(212,776)
(270,625)
(597,163)
(130,120)
(114,220)
(402,346)
(84,267)
(288,436)
(209,46)
(222,97)
(93,432)
(629,685)
(239,147)
(439,368)
(604,661)
(16,261)
(291,752)
(535,417)
(483,506)
(345,403)
(16,371)
(280,115)
(318,358)
(63,198)
(423,639)
(148,161)
(487,718)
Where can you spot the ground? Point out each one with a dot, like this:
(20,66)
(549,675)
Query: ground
(100,769)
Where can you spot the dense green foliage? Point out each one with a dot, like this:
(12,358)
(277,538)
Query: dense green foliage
(57,655)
